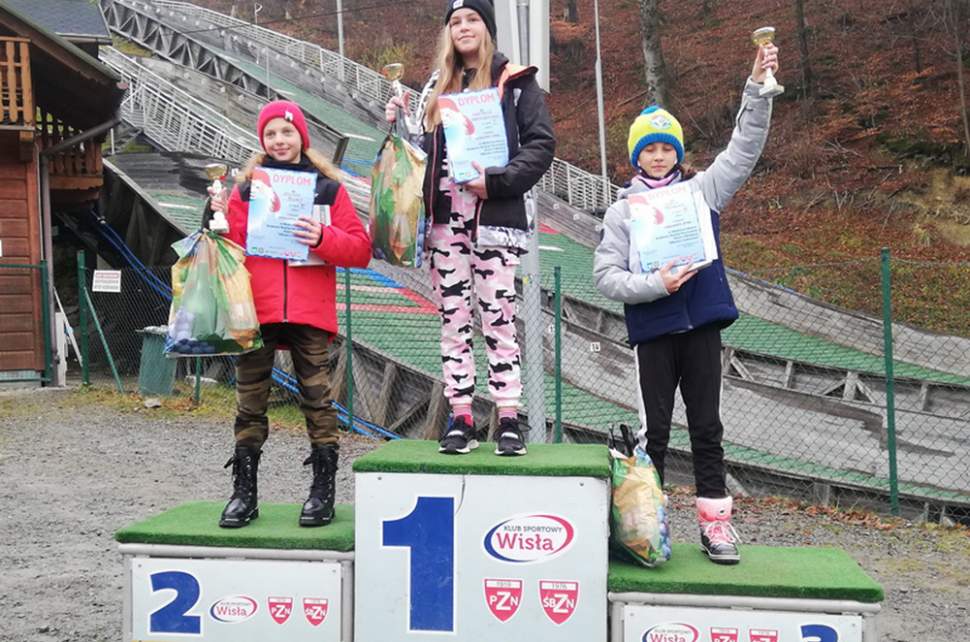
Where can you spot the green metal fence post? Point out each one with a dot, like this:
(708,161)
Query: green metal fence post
(197,396)
(349,337)
(887,337)
(82,312)
(104,340)
(557,331)
(45,319)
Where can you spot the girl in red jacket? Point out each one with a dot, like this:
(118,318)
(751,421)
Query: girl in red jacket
(296,308)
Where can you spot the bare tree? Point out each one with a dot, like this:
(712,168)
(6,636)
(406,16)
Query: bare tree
(707,8)
(954,18)
(914,41)
(905,23)
(958,9)
(802,31)
(653,58)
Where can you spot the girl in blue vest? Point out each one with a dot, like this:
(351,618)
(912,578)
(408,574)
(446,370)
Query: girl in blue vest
(674,315)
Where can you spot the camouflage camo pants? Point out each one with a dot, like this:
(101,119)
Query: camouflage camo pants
(457,268)
(308,348)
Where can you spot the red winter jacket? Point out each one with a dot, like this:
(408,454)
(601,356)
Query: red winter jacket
(306,295)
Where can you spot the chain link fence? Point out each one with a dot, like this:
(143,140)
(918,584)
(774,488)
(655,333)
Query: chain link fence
(813,404)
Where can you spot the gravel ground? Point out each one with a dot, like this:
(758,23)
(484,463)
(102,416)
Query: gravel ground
(73,470)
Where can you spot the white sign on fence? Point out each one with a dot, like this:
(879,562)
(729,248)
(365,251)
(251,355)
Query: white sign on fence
(214,600)
(480,557)
(689,624)
(106,281)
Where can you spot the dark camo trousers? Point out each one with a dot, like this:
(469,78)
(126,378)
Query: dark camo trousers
(308,348)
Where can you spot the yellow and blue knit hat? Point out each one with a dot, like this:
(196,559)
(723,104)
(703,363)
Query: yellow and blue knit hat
(655,125)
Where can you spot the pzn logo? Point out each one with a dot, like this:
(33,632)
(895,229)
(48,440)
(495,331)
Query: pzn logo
(503,597)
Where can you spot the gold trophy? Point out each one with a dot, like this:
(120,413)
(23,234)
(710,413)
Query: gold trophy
(393,72)
(763,37)
(215,173)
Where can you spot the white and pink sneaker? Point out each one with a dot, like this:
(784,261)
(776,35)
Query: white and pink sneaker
(718,537)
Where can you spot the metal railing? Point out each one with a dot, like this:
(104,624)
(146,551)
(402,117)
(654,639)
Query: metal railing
(362,82)
(178,122)
(576,186)
(173,118)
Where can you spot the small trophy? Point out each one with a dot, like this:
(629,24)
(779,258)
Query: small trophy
(393,72)
(216,172)
(763,37)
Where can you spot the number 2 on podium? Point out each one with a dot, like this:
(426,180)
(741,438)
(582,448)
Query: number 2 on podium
(428,531)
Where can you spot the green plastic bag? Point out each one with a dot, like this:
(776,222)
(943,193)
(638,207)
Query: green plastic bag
(397,216)
(212,309)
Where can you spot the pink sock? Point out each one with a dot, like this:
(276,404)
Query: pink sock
(462,410)
(508,413)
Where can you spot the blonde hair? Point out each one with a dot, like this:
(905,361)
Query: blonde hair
(450,66)
(323,165)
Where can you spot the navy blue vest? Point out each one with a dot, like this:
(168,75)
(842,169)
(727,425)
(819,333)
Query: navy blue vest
(703,300)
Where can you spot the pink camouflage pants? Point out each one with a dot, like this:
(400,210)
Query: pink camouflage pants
(457,270)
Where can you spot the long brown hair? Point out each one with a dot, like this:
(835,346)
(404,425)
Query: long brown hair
(450,66)
(323,165)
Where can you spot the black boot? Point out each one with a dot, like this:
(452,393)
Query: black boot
(318,508)
(242,505)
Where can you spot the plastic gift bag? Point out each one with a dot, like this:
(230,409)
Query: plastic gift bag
(640,521)
(397,216)
(212,303)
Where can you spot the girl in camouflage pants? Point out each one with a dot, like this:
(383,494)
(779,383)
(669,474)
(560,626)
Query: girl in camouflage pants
(479,229)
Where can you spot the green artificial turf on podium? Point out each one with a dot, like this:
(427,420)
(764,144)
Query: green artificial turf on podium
(764,571)
(543,460)
(197,524)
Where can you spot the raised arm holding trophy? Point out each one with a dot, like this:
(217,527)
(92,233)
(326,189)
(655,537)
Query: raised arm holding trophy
(675,312)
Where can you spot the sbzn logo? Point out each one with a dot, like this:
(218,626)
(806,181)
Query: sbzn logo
(529,538)
(315,609)
(558,599)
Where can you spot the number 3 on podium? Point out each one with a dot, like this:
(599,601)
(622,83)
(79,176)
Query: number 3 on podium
(429,532)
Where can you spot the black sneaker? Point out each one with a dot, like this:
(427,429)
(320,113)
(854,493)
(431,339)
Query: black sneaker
(509,439)
(461,438)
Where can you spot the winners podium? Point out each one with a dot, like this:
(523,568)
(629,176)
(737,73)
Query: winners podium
(471,548)
(480,547)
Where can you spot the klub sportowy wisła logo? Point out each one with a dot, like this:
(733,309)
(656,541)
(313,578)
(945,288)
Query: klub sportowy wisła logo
(671,632)
(529,538)
(233,608)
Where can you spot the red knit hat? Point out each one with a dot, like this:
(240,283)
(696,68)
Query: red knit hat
(286,110)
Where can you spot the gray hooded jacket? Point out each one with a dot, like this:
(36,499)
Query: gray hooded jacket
(616,268)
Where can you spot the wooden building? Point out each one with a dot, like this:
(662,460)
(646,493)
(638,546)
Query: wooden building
(57,102)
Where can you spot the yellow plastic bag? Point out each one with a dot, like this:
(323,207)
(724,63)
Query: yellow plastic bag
(640,520)
(212,309)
